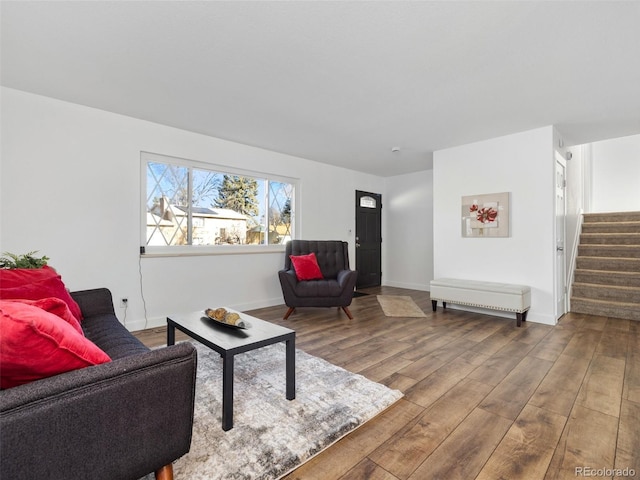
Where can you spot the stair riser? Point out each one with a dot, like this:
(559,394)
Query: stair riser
(621,251)
(610,228)
(612,217)
(607,293)
(608,264)
(607,278)
(603,239)
(629,313)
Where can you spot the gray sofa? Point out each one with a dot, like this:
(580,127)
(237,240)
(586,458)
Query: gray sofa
(334,290)
(117,421)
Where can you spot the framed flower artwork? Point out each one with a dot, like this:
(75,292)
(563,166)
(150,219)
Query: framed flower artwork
(485,215)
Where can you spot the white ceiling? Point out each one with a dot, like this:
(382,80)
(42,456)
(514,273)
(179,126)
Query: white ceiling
(338,82)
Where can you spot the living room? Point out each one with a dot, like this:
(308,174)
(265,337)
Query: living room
(88,175)
(71,170)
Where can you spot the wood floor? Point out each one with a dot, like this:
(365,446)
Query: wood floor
(483,398)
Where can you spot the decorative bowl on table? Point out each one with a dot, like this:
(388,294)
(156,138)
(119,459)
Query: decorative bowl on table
(226,318)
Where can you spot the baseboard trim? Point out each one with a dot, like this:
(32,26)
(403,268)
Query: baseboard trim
(161,321)
(410,286)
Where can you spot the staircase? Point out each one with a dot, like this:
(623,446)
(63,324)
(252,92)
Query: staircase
(607,276)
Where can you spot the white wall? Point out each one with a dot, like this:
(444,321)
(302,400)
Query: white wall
(616,175)
(522,164)
(71,189)
(578,184)
(576,180)
(408,209)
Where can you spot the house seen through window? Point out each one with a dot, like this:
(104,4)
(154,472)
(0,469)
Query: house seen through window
(190,204)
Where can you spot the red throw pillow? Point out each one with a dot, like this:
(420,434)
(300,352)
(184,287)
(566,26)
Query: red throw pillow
(36,344)
(306,267)
(34,284)
(57,307)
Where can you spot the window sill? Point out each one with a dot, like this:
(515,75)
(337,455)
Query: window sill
(160,252)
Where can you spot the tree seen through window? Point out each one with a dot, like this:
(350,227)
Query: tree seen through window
(195,206)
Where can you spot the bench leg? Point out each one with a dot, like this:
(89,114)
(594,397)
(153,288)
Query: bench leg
(434,304)
(521,317)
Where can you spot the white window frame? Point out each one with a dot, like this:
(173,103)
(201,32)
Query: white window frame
(187,250)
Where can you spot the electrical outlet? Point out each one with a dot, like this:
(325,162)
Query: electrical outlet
(124,302)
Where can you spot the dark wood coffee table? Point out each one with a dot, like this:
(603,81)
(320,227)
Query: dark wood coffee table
(229,341)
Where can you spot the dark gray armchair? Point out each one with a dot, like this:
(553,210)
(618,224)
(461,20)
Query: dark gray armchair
(334,290)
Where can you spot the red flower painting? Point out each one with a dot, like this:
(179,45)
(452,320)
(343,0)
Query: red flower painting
(484,214)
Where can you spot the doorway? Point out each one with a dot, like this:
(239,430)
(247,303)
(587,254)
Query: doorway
(368,239)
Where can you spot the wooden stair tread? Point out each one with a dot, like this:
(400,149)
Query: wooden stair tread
(620,222)
(609,245)
(608,272)
(632,259)
(599,285)
(611,234)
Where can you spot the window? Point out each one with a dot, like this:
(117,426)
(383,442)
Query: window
(368,202)
(190,204)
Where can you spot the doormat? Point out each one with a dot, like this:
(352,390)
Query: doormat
(399,306)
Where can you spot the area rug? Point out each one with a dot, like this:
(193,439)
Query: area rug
(399,306)
(272,435)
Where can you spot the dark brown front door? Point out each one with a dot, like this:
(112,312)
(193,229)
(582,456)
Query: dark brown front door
(368,239)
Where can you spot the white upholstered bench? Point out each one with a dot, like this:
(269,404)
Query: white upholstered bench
(476,293)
